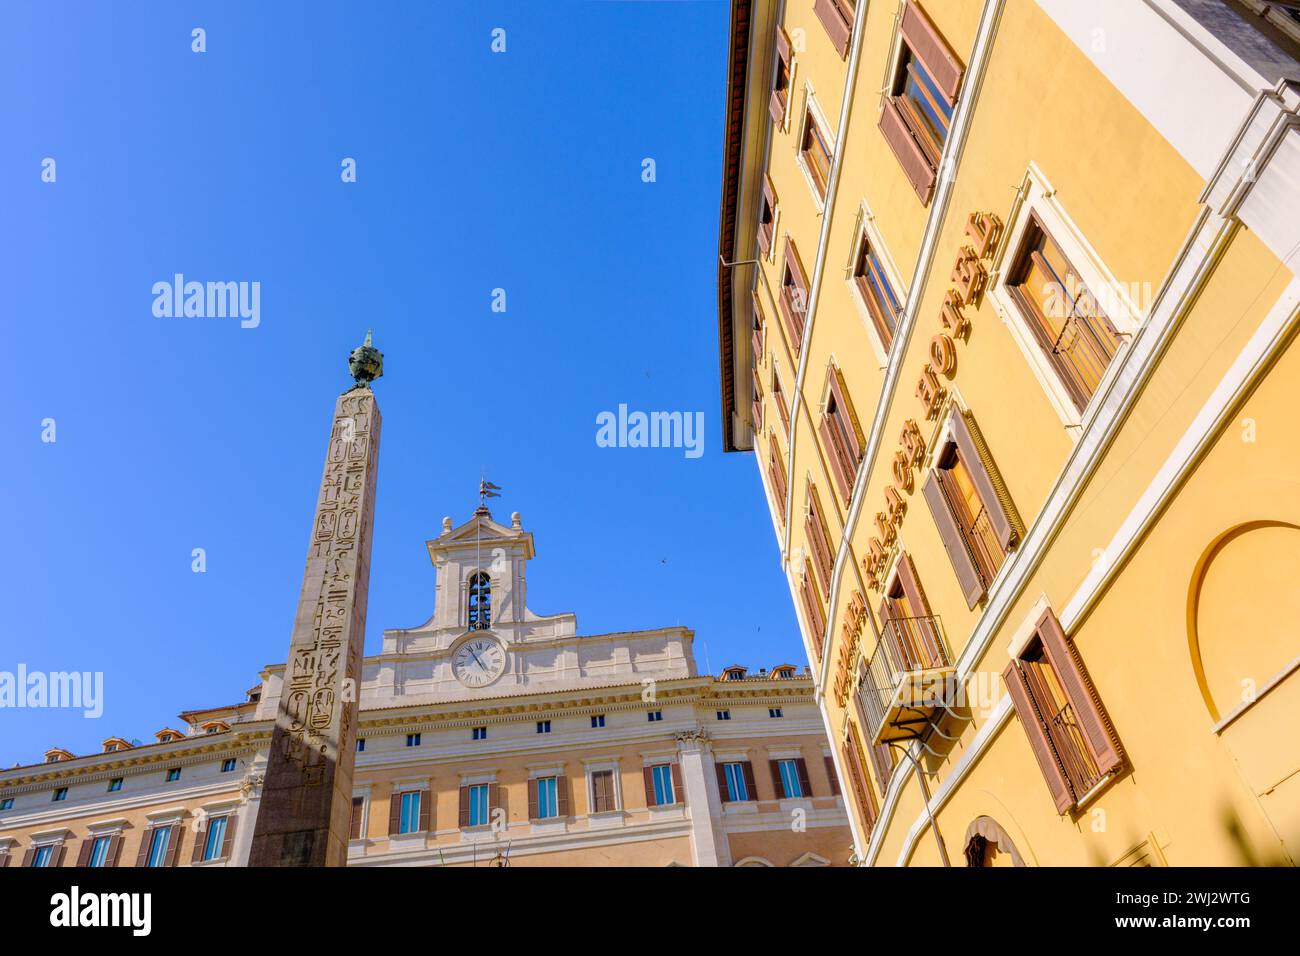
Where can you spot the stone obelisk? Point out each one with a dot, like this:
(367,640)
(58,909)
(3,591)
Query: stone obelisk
(307,790)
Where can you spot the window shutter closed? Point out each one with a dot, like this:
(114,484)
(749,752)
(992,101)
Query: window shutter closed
(28,855)
(426,809)
(857,773)
(921,609)
(679,793)
(931,49)
(394,813)
(778,788)
(464,807)
(354,824)
(962,562)
(812,605)
(831,775)
(228,842)
(200,838)
(722,783)
(1032,721)
(805,784)
(174,844)
(848,418)
(1087,706)
(992,491)
(837,23)
(496,800)
(114,850)
(83,854)
(778,101)
(532,798)
(142,858)
(838,456)
(647,774)
(819,540)
(916,166)
(562,795)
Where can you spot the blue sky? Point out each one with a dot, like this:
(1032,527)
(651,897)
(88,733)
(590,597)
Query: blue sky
(475,171)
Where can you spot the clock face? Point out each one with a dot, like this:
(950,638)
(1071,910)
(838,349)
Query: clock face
(478,662)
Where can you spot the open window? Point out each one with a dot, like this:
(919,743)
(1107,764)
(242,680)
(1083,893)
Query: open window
(816,152)
(819,537)
(836,17)
(767,220)
(841,433)
(793,300)
(782,80)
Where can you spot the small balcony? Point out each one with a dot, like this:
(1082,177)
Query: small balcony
(909,677)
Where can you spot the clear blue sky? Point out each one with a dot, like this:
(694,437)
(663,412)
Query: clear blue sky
(475,171)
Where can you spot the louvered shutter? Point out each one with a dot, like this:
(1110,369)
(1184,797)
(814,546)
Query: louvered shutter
(953,542)
(647,774)
(532,798)
(831,776)
(813,609)
(916,165)
(925,625)
(56,858)
(819,539)
(200,839)
(562,795)
(84,851)
(857,774)
(837,21)
(723,792)
(988,482)
(1088,710)
(751,788)
(779,101)
(354,822)
(142,858)
(850,427)
(931,49)
(1032,721)
(114,850)
(805,783)
(838,456)
(228,842)
(778,788)
(496,800)
(174,844)
(464,807)
(426,809)
(28,855)
(679,793)
(394,814)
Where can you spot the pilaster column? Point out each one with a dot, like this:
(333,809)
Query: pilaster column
(703,802)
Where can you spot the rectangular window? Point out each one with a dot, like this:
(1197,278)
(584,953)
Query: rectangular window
(479,733)
(853,759)
(60,794)
(1073,332)
(655,715)
(767,218)
(361,744)
(99,851)
(793,300)
(115,785)
(756,407)
(597,721)
(228,765)
(602,791)
(173,774)
(409,821)
(877,293)
(543,726)
(836,17)
(158,840)
(736,790)
(970,506)
(479,812)
(776,476)
(756,331)
(354,823)
(815,150)
(841,433)
(724,715)
(775,712)
(412,740)
(911,634)
(819,538)
(661,777)
(547,799)
(783,73)
(1062,715)
(8,803)
(44,855)
(786,777)
(215,838)
(778,397)
(920,101)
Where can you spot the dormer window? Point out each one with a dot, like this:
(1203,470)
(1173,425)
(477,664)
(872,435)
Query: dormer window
(736,672)
(480,602)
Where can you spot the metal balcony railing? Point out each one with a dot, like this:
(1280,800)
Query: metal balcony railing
(909,646)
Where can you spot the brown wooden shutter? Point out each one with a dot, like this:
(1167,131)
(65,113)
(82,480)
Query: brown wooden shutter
(83,853)
(679,793)
(647,774)
(916,165)
(464,807)
(29,855)
(795,319)
(723,792)
(805,783)
(751,787)
(850,427)
(1098,732)
(838,457)
(953,542)
(114,850)
(496,800)
(426,809)
(56,858)
(837,21)
(562,794)
(354,823)
(832,776)
(142,858)
(774,767)
(975,455)
(929,634)
(200,838)
(532,799)
(228,841)
(812,605)
(174,844)
(882,759)
(1032,721)
(819,539)
(779,102)
(921,36)
(394,814)
(766,234)
(858,774)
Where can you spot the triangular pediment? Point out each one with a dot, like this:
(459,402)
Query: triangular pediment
(481,530)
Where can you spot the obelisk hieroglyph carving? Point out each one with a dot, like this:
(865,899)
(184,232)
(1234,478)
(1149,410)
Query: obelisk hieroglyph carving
(307,793)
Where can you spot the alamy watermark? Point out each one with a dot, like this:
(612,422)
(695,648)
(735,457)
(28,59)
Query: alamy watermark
(209,300)
(651,430)
(56,689)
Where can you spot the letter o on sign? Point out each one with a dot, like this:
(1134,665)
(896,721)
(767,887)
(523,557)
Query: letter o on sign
(943,355)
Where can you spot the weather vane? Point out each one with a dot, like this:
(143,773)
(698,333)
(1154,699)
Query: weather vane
(366,363)
(487,490)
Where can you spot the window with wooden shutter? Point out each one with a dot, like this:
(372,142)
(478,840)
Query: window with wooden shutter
(851,751)
(767,218)
(756,409)
(174,844)
(977,521)
(836,18)
(354,823)
(602,791)
(793,301)
(756,331)
(883,760)
(1063,317)
(814,610)
(228,841)
(783,73)
(1067,726)
(778,398)
(776,475)
(816,152)
(801,771)
(876,290)
(918,110)
(463,815)
(910,632)
(819,539)
(426,809)
(395,813)
(841,434)
(831,775)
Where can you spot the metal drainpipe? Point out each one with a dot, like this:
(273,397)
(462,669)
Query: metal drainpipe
(925,793)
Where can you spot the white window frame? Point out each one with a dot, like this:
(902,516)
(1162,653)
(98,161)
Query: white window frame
(1038,196)
(865,227)
(813,108)
(591,767)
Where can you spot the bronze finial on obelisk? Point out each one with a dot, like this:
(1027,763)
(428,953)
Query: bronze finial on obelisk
(307,793)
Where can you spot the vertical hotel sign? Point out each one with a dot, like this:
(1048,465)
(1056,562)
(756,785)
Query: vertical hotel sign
(307,794)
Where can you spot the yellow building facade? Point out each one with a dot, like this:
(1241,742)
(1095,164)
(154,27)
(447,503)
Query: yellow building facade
(1007,306)
(489,735)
